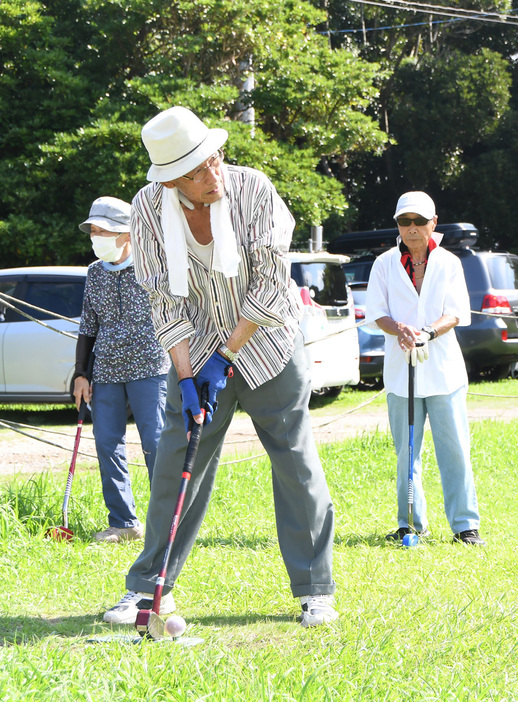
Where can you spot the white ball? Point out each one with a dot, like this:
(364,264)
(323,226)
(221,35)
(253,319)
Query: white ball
(175,626)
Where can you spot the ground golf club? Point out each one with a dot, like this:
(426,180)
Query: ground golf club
(148,622)
(410,540)
(64,533)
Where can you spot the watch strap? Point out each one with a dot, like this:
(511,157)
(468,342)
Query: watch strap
(231,355)
(430,330)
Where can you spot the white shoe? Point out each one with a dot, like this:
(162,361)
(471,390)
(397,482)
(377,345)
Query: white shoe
(317,610)
(125,611)
(116,534)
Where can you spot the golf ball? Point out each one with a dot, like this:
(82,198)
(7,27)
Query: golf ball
(175,625)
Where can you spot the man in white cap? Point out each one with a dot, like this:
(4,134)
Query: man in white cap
(417,293)
(130,365)
(210,243)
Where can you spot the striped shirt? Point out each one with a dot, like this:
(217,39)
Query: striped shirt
(262,292)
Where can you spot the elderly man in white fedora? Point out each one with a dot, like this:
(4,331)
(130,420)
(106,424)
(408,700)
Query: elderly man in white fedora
(417,293)
(130,365)
(210,243)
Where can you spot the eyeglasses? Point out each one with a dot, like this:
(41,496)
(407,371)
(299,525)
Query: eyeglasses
(213,162)
(407,221)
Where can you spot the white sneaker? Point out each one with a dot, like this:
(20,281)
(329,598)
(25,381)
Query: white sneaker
(317,610)
(115,535)
(125,611)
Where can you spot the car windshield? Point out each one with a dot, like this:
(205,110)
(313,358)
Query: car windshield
(326,282)
(358,271)
(503,271)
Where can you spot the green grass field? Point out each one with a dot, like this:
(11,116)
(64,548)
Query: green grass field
(439,622)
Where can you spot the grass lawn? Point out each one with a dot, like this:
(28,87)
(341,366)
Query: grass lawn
(438,622)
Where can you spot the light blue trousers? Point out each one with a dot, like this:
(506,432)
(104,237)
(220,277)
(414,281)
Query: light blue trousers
(303,507)
(146,398)
(450,432)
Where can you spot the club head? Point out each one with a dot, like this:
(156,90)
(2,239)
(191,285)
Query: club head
(149,625)
(410,540)
(60,533)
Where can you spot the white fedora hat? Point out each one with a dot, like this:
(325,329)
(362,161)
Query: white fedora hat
(177,141)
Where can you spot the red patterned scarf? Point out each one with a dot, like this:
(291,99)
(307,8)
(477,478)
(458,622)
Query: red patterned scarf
(406,259)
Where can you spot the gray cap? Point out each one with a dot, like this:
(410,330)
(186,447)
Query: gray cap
(109,213)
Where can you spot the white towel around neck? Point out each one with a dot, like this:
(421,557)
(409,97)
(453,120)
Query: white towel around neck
(225,258)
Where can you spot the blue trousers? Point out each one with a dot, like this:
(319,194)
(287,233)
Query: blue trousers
(146,398)
(303,507)
(450,432)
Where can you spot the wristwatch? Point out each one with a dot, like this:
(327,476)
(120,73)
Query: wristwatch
(231,355)
(430,330)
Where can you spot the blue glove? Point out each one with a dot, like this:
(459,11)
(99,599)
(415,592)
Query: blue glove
(190,401)
(214,374)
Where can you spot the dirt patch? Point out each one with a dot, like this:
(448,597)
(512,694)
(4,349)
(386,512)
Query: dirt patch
(21,454)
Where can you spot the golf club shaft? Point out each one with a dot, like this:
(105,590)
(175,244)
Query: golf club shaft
(80,419)
(190,457)
(71,470)
(411,371)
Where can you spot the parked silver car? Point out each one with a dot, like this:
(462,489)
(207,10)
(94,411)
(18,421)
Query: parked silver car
(36,363)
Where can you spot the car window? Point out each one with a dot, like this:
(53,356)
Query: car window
(358,271)
(359,295)
(64,297)
(8,287)
(326,282)
(503,272)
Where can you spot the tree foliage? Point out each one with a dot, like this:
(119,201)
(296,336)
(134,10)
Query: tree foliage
(353,104)
(99,69)
(446,105)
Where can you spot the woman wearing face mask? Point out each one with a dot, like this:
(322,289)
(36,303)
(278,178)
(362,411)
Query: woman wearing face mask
(130,366)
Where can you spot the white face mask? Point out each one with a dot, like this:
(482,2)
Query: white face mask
(105,248)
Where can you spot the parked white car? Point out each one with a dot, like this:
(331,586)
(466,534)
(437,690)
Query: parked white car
(328,324)
(36,363)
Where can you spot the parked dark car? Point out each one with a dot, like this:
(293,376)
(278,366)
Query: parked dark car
(490,343)
(370,338)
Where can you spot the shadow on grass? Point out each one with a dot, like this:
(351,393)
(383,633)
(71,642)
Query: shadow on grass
(39,415)
(254,543)
(25,630)
(16,631)
(378,540)
(234,620)
(354,539)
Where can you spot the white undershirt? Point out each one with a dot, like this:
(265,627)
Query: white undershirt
(202,251)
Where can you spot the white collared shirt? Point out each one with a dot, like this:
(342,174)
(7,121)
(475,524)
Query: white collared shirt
(391,293)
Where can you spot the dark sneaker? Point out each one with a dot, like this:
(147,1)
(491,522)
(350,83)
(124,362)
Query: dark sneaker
(471,536)
(403,531)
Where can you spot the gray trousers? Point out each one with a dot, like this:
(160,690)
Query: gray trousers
(303,508)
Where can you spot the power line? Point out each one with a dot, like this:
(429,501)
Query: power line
(389,26)
(441,10)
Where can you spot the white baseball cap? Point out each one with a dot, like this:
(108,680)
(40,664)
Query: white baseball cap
(415,201)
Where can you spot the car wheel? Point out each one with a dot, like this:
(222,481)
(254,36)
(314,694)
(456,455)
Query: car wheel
(370,384)
(328,392)
(495,372)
